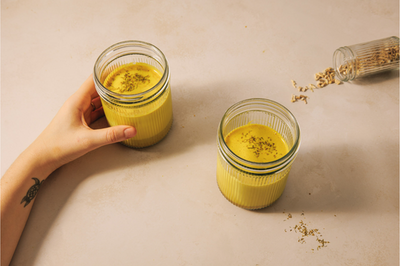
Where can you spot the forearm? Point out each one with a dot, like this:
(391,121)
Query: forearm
(66,138)
(19,187)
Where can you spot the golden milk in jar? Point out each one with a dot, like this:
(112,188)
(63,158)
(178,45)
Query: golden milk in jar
(258,140)
(132,79)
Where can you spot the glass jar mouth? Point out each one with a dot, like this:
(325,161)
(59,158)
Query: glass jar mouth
(123,49)
(258,167)
(344,56)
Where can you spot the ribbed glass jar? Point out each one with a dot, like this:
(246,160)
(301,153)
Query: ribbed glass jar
(351,62)
(150,111)
(247,184)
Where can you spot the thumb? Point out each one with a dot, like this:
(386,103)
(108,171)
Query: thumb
(111,135)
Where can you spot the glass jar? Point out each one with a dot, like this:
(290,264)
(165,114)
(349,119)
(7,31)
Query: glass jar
(351,62)
(150,111)
(247,184)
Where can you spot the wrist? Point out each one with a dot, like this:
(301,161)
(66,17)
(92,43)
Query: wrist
(39,160)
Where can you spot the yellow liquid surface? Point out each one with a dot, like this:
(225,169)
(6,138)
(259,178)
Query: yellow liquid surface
(132,78)
(152,120)
(255,143)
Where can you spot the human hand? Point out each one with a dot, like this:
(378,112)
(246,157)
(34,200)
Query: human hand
(69,136)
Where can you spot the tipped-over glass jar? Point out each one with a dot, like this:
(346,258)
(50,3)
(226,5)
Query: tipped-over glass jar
(258,140)
(132,79)
(351,62)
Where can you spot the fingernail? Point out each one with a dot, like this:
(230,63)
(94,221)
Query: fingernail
(129,132)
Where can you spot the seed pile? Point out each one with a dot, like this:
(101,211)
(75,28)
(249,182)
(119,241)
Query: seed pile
(368,61)
(345,69)
(306,232)
(387,55)
(131,82)
(301,97)
(326,77)
(258,144)
(322,79)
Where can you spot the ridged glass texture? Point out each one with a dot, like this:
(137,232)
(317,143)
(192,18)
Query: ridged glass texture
(255,185)
(150,112)
(359,60)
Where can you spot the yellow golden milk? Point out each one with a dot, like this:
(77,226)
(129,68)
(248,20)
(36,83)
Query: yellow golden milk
(257,144)
(132,78)
(152,119)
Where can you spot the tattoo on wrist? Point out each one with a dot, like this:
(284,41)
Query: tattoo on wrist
(33,190)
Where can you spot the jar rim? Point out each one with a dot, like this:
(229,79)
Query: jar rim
(134,97)
(344,55)
(258,167)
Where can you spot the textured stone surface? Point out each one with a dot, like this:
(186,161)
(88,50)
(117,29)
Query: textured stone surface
(161,205)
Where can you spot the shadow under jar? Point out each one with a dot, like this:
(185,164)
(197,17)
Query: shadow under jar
(141,100)
(246,183)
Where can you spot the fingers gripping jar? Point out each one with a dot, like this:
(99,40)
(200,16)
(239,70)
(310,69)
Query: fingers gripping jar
(351,62)
(132,79)
(248,183)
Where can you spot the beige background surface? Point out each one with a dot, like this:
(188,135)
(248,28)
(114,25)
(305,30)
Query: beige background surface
(161,205)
